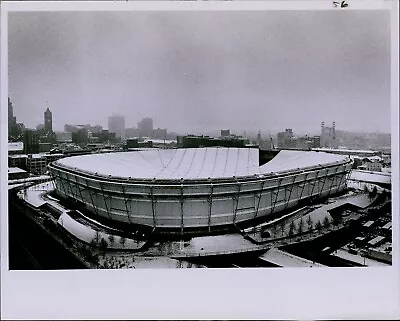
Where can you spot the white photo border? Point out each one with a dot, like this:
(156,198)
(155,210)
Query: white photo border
(350,293)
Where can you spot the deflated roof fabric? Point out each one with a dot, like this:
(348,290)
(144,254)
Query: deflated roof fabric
(193,163)
(289,160)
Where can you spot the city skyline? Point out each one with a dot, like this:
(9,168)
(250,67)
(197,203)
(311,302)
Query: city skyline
(297,133)
(256,71)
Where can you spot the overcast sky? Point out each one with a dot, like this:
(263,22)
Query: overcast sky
(202,71)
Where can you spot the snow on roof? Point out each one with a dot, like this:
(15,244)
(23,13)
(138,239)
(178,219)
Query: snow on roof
(14,170)
(54,155)
(10,187)
(194,163)
(367,158)
(160,141)
(373,177)
(376,240)
(374,158)
(342,150)
(18,156)
(37,156)
(368,224)
(29,179)
(15,147)
(188,163)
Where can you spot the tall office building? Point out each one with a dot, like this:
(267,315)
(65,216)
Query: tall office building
(12,121)
(48,121)
(159,133)
(131,132)
(286,139)
(145,127)
(328,136)
(116,125)
(225,133)
(31,142)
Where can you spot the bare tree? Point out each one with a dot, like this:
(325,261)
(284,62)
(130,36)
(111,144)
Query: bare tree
(97,237)
(292,228)
(309,223)
(337,219)
(103,244)
(122,240)
(326,221)
(274,229)
(374,192)
(300,228)
(282,225)
(93,242)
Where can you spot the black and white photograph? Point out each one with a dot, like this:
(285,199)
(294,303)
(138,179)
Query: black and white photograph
(200,139)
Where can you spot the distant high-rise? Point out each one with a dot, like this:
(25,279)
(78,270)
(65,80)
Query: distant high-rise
(15,129)
(225,133)
(48,121)
(259,138)
(31,142)
(328,136)
(145,127)
(116,125)
(12,121)
(80,137)
(286,139)
(159,133)
(131,132)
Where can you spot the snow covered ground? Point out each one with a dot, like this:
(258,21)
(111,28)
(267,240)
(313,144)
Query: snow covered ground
(143,262)
(357,258)
(359,185)
(370,177)
(34,194)
(220,243)
(321,212)
(285,259)
(89,235)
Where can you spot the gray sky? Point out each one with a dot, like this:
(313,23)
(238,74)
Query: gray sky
(202,71)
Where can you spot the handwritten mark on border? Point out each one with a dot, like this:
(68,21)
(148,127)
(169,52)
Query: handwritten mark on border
(343,4)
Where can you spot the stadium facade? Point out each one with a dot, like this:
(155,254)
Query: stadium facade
(198,189)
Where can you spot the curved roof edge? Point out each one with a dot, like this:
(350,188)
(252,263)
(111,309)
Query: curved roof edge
(197,164)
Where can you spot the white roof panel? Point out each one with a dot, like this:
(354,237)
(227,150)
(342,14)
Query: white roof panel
(192,163)
(290,160)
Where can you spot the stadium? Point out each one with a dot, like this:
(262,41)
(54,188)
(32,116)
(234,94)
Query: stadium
(196,190)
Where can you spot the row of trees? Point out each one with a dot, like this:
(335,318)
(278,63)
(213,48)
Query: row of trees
(114,262)
(300,228)
(304,225)
(103,244)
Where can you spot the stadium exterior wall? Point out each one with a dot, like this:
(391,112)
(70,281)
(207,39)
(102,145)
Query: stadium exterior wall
(201,204)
